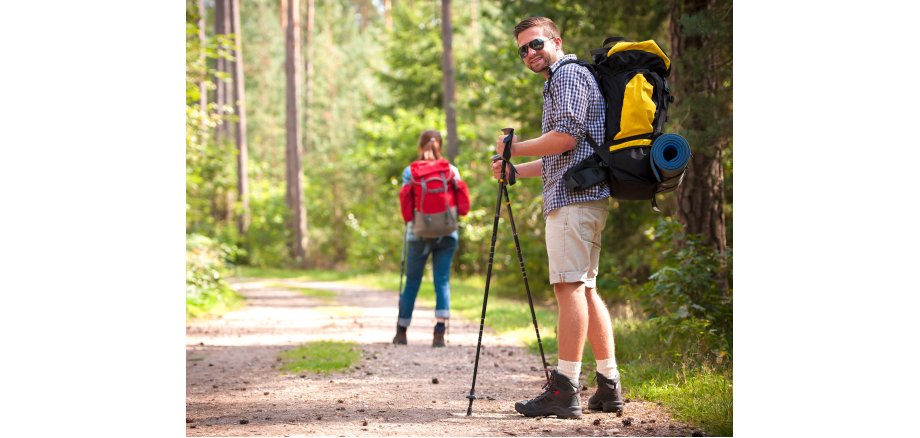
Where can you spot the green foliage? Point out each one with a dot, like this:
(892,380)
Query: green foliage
(691,292)
(208,163)
(585,23)
(263,55)
(267,235)
(322,357)
(206,292)
(412,70)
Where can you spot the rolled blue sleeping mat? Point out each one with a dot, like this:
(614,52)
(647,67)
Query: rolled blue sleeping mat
(670,155)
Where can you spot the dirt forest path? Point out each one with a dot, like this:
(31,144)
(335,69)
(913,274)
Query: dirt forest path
(234,386)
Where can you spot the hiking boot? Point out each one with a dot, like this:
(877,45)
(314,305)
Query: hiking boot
(400,338)
(609,396)
(438,340)
(559,399)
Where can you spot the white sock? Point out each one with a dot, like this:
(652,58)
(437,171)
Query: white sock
(572,370)
(608,367)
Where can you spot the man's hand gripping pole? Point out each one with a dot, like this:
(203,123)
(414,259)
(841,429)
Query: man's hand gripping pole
(506,158)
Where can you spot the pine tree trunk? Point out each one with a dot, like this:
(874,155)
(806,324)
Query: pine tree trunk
(294,173)
(448,68)
(388,13)
(202,88)
(220,92)
(697,81)
(242,179)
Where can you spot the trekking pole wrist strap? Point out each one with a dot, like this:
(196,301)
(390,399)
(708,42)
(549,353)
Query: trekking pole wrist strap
(510,173)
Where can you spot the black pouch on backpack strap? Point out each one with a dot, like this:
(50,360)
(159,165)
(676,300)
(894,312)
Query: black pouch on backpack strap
(588,173)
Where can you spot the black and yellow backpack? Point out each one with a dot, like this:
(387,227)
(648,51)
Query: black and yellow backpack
(633,77)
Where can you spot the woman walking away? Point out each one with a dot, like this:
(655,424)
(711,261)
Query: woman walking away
(431,198)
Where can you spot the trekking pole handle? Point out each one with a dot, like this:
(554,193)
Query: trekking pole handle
(506,157)
(509,135)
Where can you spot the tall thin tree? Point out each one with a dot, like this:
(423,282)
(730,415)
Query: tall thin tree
(294,171)
(702,86)
(221,89)
(447,65)
(242,149)
(202,86)
(220,204)
(388,13)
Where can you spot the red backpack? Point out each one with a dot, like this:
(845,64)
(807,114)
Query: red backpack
(433,198)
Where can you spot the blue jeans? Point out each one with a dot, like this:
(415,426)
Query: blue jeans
(442,253)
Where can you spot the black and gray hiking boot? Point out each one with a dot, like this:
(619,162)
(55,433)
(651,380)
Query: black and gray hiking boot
(438,340)
(609,396)
(559,399)
(400,338)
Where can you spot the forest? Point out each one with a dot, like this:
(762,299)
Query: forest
(302,114)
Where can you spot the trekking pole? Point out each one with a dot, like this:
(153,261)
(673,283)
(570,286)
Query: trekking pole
(402,262)
(509,132)
(533,313)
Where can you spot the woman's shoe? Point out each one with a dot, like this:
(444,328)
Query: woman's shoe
(400,338)
(438,340)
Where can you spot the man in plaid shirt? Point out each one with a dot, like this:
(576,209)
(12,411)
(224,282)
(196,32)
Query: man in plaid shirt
(572,107)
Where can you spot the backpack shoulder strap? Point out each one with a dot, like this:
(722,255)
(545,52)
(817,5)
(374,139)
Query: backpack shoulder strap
(601,151)
(580,62)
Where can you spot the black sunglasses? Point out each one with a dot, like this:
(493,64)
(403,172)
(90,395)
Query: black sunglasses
(536,44)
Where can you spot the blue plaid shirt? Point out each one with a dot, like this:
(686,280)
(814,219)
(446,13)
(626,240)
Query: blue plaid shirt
(572,104)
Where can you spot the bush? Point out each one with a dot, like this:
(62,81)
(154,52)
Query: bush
(690,296)
(268,234)
(206,292)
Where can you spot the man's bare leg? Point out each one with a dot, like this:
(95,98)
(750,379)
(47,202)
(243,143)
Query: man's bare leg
(600,330)
(573,320)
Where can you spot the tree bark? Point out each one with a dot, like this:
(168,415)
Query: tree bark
(224,95)
(242,148)
(699,90)
(202,87)
(388,13)
(294,172)
(448,67)
(220,88)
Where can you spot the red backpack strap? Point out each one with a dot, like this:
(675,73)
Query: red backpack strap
(461,194)
(462,198)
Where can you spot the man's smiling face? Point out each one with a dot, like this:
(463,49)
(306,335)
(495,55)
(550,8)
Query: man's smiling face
(539,60)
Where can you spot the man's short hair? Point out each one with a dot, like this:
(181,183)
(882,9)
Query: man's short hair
(549,28)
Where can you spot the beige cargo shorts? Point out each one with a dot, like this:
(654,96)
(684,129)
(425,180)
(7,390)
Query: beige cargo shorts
(573,241)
